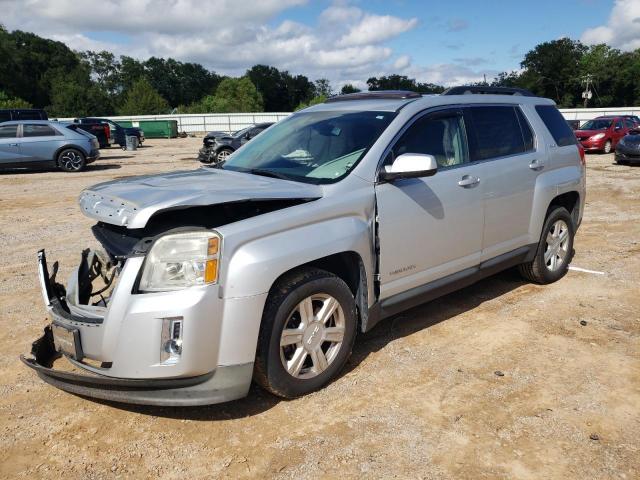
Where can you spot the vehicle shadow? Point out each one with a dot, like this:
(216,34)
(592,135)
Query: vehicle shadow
(93,168)
(31,171)
(399,326)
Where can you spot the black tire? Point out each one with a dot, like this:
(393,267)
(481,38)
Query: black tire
(285,296)
(71,160)
(538,271)
(222,154)
(608,147)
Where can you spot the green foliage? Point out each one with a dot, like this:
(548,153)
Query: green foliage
(143,99)
(313,101)
(12,102)
(323,88)
(232,95)
(348,88)
(402,82)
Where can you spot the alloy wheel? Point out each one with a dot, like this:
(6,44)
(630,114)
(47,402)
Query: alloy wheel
(557,245)
(71,160)
(312,336)
(223,155)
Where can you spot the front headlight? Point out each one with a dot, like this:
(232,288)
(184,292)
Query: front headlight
(181,260)
(597,136)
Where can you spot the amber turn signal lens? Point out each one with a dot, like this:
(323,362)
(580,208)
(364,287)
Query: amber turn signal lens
(214,244)
(211,271)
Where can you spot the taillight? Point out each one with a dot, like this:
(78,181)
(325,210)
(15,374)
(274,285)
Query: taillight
(583,160)
(107,132)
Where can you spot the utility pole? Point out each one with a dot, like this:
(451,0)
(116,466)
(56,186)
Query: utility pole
(587,81)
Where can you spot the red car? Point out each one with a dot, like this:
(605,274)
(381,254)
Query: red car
(602,134)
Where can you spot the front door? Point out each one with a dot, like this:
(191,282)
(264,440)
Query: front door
(9,146)
(430,227)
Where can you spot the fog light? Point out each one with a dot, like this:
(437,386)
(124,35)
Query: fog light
(171,340)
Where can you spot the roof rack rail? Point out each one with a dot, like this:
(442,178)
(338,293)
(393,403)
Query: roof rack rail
(375,95)
(486,90)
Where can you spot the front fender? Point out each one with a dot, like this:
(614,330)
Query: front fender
(256,265)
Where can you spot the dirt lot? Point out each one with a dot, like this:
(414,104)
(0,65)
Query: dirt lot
(420,397)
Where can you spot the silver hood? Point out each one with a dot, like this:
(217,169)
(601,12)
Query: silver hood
(131,202)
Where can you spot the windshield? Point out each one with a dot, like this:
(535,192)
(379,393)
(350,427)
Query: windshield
(312,147)
(596,125)
(240,133)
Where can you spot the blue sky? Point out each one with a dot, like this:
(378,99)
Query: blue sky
(343,40)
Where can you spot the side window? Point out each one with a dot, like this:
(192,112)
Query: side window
(497,132)
(441,136)
(628,123)
(9,131)
(527,133)
(557,125)
(618,125)
(38,131)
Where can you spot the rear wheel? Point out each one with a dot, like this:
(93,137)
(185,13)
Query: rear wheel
(554,251)
(307,332)
(71,160)
(607,147)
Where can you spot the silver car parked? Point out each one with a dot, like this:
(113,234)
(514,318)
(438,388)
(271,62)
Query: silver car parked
(41,143)
(267,265)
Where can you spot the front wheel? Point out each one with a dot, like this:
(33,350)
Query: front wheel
(554,251)
(307,332)
(71,160)
(223,154)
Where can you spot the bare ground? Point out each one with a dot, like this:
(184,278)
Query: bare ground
(419,398)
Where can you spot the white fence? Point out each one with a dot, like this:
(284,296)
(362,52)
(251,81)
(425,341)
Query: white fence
(231,122)
(207,122)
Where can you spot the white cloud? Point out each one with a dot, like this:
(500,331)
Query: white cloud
(622,29)
(402,62)
(346,43)
(375,29)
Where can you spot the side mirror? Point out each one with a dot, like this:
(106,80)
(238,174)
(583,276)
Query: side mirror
(410,165)
(248,136)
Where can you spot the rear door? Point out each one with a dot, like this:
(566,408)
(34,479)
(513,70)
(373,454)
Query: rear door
(619,131)
(502,140)
(431,227)
(39,142)
(9,146)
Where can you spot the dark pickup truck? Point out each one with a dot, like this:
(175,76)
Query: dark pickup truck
(117,133)
(101,131)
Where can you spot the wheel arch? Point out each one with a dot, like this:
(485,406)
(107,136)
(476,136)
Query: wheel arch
(569,200)
(68,147)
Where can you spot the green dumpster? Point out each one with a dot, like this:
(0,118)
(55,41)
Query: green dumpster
(159,128)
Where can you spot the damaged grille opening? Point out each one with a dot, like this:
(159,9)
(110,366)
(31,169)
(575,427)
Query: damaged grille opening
(120,242)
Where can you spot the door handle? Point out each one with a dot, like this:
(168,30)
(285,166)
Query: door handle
(13,144)
(469,181)
(536,165)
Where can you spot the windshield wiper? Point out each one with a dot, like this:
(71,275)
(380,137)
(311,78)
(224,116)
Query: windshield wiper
(268,173)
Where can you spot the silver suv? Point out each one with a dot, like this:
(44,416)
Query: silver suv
(267,265)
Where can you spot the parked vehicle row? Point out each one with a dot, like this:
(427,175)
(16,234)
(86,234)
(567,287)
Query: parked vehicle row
(217,146)
(114,133)
(602,134)
(38,143)
(265,266)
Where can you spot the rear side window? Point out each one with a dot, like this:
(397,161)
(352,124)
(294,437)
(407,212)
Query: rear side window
(8,131)
(527,133)
(557,125)
(497,132)
(38,131)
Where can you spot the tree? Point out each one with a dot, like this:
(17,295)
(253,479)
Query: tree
(313,101)
(323,88)
(142,99)
(74,94)
(553,70)
(232,95)
(402,82)
(12,102)
(348,88)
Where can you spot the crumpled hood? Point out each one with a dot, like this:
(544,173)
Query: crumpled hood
(132,201)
